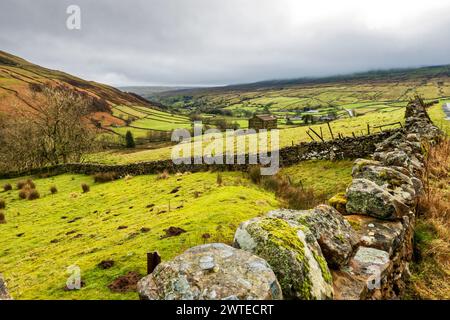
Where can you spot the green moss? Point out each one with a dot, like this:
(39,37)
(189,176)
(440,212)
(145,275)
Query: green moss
(340,237)
(383,174)
(324,268)
(355,225)
(282,235)
(338,201)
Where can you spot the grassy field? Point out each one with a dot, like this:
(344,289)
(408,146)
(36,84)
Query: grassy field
(45,236)
(325,177)
(288,136)
(144,120)
(438,116)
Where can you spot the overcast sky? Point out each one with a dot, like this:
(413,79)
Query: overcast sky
(214,42)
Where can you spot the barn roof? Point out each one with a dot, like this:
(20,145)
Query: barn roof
(265,117)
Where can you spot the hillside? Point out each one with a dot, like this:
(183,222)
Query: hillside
(366,92)
(18,77)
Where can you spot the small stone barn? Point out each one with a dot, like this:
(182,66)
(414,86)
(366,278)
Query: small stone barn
(262,121)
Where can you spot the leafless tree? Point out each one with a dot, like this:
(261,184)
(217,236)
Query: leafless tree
(57,130)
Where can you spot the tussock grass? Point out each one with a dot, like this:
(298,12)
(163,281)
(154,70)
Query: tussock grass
(2,217)
(106,177)
(85,187)
(164,175)
(306,184)
(33,194)
(431,269)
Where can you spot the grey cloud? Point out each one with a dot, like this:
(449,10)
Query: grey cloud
(210,42)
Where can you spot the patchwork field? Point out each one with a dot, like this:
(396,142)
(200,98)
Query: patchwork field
(124,219)
(142,120)
(288,136)
(359,92)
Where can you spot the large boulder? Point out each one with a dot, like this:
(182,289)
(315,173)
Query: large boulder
(292,252)
(4,294)
(395,182)
(211,272)
(371,262)
(366,197)
(333,233)
(379,234)
(367,276)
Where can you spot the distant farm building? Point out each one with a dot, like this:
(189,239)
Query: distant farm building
(262,121)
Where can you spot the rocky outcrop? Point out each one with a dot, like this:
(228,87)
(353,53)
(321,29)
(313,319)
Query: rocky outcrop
(210,272)
(293,254)
(4,294)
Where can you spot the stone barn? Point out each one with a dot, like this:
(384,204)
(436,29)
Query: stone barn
(262,121)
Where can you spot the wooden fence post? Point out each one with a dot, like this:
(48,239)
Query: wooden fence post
(316,134)
(331,131)
(307,132)
(153,259)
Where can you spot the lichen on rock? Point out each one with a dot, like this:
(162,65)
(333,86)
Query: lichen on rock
(395,182)
(333,233)
(366,197)
(211,272)
(292,252)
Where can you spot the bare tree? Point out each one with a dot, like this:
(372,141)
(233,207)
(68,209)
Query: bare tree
(56,131)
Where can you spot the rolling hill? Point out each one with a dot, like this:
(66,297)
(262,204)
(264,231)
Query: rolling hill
(18,76)
(364,91)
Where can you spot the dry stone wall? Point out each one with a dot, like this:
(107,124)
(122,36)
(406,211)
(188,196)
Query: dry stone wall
(346,148)
(361,251)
